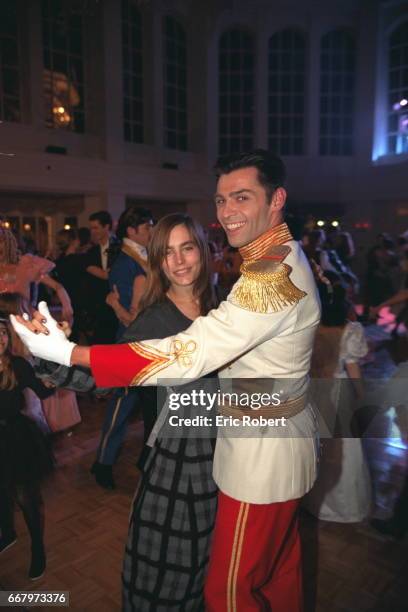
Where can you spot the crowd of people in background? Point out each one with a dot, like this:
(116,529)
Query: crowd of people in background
(95,276)
(82,263)
(95,280)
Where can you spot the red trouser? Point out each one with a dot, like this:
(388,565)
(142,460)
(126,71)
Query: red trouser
(255,560)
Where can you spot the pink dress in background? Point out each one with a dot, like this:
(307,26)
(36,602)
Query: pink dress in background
(61,409)
(16,278)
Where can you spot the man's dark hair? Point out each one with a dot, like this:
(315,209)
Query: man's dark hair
(271,169)
(84,236)
(103,217)
(133,216)
(65,238)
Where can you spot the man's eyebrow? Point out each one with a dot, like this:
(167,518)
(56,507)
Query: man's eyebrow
(235,193)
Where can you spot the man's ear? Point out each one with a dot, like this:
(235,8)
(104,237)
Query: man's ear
(278,199)
(130,232)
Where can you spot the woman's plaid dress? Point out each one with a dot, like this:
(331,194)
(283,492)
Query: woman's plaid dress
(171,524)
(174,509)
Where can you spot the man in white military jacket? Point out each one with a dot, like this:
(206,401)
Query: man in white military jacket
(265,329)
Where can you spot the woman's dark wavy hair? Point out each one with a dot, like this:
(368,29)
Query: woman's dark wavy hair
(157,283)
(335,306)
(65,238)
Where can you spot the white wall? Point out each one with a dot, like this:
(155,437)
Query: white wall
(104,171)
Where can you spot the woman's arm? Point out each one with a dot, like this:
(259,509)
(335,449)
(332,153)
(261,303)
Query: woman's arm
(113,299)
(65,301)
(75,379)
(354,373)
(98,272)
(398,298)
(27,378)
(139,285)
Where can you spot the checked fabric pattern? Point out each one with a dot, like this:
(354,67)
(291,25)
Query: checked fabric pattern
(171,524)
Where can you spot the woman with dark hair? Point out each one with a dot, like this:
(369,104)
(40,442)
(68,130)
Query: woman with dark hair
(24,455)
(161,281)
(12,303)
(174,509)
(70,273)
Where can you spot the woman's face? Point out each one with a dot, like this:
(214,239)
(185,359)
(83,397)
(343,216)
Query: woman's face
(4,339)
(182,264)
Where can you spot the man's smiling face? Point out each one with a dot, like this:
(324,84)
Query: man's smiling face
(243,208)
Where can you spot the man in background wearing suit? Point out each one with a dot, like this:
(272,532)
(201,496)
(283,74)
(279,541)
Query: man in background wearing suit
(98,261)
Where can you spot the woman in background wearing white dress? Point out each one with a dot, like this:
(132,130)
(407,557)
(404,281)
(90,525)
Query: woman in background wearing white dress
(342,491)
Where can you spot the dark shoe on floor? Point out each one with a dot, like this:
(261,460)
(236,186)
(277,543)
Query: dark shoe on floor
(38,564)
(7,542)
(103,475)
(387,528)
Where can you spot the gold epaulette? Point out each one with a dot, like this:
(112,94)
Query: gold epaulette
(265,284)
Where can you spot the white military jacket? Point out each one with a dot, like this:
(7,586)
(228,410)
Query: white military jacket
(265,329)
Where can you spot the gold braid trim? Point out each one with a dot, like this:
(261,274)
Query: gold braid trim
(266,290)
(158,361)
(179,351)
(142,262)
(274,237)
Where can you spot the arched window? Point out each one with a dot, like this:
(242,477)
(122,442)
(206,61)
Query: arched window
(64,80)
(337,88)
(132,66)
(175,84)
(236,91)
(286,92)
(10,96)
(398,90)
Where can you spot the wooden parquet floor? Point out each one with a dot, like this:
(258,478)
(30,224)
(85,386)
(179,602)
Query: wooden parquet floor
(348,568)
(86,526)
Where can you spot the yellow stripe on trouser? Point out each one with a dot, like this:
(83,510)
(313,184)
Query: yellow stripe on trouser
(236,556)
(239,551)
(115,415)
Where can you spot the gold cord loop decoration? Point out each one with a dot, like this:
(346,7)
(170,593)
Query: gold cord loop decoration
(179,351)
(182,351)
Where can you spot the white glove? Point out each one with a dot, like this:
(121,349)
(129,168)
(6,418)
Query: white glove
(54,347)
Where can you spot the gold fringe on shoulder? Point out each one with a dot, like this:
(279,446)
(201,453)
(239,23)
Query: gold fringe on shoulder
(268,290)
